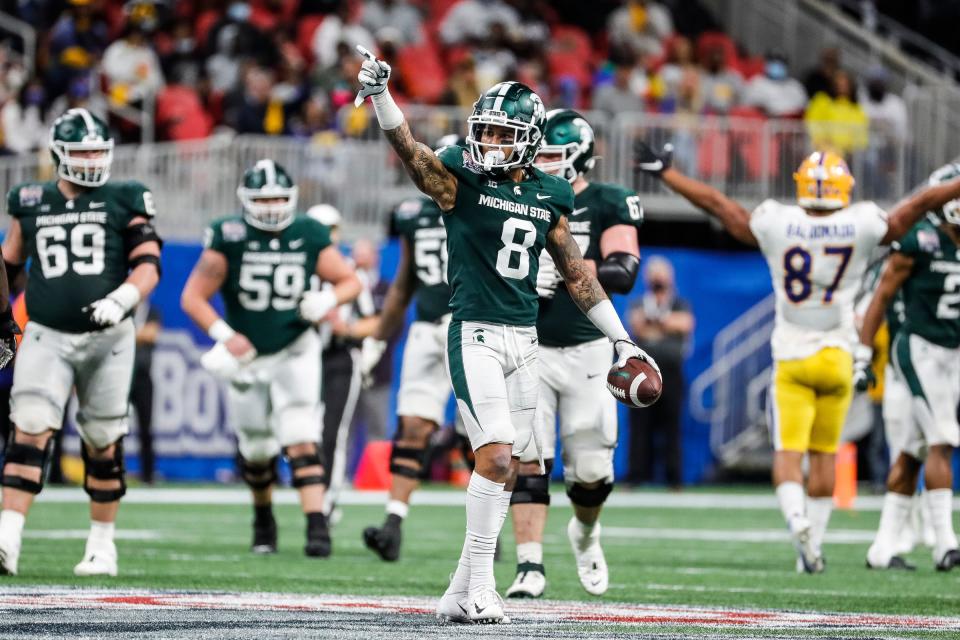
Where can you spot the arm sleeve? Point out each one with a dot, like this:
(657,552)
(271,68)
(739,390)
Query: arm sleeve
(564,203)
(320,235)
(453,158)
(908,245)
(213,237)
(13,202)
(874,220)
(762,220)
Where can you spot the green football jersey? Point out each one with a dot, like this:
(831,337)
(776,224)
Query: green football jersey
(495,233)
(267,274)
(420,222)
(560,322)
(75,247)
(931,293)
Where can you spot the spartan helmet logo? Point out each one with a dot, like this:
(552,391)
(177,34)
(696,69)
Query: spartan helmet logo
(516,190)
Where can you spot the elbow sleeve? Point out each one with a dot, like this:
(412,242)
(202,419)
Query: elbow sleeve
(618,271)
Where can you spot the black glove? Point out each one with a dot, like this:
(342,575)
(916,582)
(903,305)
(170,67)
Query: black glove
(646,160)
(8,336)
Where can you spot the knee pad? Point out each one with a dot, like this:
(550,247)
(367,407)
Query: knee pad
(308,460)
(585,497)
(30,456)
(533,489)
(109,469)
(257,475)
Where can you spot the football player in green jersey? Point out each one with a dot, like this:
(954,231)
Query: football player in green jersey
(925,266)
(574,358)
(94,254)
(424,385)
(266,346)
(500,213)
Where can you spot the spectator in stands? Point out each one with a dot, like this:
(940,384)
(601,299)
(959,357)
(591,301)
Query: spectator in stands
(254,109)
(78,95)
(774,92)
(640,26)
(314,117)
(339,81)
(232,39)
(462,87)
(24,129)
(76,42)
(130,65)
(147,319)
(820,78)
(834,120)
(662,323)
(889,131)
(493,56)
(341,26)
(396,14)
(619,96)
(180,113)
(472,20)
(722,87)
(679,63)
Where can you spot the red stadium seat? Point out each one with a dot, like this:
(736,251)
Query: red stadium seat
(713,154)
(568,54)
(305,29)
(710,39)
(422,72)
(749,145)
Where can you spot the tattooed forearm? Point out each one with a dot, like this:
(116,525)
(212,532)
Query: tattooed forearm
(581,283)
(424,167)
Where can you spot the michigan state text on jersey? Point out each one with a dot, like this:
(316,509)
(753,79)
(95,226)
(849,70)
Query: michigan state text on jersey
(266,346)
(499,215)
(94,254)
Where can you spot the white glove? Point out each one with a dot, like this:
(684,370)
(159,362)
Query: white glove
(625,349)
(371,350)
(548,279)
(863,377)
(109,311)
(315,305)
(223,364)
(373,76)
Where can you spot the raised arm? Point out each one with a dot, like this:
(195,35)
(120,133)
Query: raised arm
(421,163)
(735,219)
(895,273)
(588,294)
(398,295)
(908,211)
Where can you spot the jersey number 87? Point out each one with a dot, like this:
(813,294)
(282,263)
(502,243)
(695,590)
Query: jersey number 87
(797,265)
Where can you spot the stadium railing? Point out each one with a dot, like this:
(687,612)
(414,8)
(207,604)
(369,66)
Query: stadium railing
(751,159)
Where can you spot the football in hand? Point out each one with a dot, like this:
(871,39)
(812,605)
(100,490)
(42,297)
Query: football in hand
(637,384)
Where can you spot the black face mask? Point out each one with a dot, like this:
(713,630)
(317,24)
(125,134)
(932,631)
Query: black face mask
(658,287)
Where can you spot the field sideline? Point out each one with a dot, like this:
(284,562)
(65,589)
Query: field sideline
(710,564)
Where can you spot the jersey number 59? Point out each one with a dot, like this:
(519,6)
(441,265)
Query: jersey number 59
(263,286)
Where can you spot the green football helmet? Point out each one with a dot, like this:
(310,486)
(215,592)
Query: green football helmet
(514,106)
(267,180)
(567,134)
(79,131)
(950,212)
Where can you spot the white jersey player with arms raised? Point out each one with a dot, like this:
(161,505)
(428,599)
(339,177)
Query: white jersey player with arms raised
(817,252)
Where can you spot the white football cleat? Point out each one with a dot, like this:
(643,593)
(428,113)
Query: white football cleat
(808,560)
(453,607)
(487,608)
(529,583)
(591,564)
(9,555)
(99,559)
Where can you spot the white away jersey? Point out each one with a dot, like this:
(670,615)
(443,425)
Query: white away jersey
(817,264)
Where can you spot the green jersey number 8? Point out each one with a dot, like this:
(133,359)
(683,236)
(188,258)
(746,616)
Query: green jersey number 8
(86,244)
(505,257)
(263,286)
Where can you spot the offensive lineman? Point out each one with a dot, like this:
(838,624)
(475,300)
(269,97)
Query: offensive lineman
(424,385)
(499,213)
(94,254)
(266,346)
(817,253)
(574,359)
(925,266)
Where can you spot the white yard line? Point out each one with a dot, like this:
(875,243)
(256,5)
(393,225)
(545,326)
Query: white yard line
(841,536)
(445,498)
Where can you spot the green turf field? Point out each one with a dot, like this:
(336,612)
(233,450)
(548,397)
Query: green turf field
(695,556)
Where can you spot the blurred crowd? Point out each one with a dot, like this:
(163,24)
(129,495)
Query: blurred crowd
(286,67)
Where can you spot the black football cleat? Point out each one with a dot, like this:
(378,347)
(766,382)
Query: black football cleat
(896,563)
(264,536)
(385,541)
(318,536)
(950,560)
